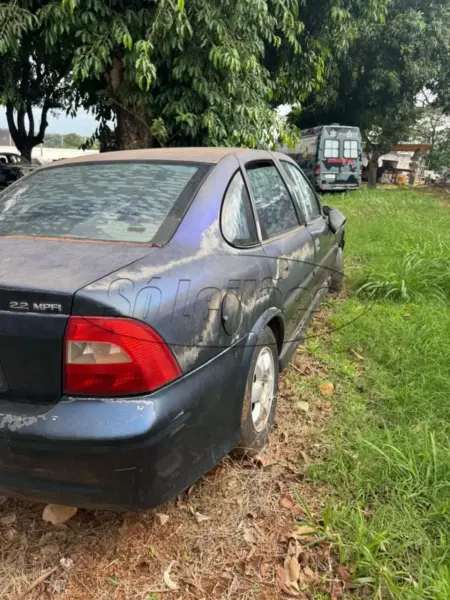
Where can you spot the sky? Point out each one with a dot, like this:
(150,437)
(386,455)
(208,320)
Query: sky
(84,123)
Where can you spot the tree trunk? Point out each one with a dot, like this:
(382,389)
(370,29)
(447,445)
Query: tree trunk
(25,140)
(133,129)
(133,132)
(373,170)
(25,151)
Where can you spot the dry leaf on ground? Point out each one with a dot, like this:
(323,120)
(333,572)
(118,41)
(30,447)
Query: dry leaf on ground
(326,389)
(8,519)
(292,569)
(302,406)
(308,577)
(344,573)
(56,514)
(162,518)
(201,518)
(250,535)
(291,566)
(286,502)
(66,563)
(304,531)
(168,580)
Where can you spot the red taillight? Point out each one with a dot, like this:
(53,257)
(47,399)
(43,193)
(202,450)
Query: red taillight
(317,170)
(115,357)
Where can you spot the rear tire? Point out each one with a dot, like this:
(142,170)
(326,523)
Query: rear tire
(338,275)
(260,401)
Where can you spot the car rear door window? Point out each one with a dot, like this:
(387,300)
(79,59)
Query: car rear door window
(331,149)
(305,195)
(238,221)
(276,211)
(110,201)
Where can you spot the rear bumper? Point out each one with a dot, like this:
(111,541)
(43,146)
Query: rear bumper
(338,187)
(126,454)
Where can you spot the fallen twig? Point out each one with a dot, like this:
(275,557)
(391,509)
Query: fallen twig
(37,581)
(294,366)
(356,355)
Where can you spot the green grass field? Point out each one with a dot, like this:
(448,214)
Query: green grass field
(388,458)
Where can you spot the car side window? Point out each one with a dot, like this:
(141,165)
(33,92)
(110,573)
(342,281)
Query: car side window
(238,221)
(303,191)
(274,204)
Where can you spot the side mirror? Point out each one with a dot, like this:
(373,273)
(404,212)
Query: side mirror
(336,219)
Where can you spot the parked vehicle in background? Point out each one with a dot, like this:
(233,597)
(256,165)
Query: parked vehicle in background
(332,157)
(13,167)
(445,177)
(148,301)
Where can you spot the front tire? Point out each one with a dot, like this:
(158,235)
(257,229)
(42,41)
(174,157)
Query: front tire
(260,401)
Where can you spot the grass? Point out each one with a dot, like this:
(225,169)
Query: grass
(388,460)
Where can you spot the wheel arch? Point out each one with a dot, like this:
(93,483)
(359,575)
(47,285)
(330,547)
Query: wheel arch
(273,318)
(276,324)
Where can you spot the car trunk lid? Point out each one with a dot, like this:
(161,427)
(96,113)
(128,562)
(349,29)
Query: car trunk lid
(38,280)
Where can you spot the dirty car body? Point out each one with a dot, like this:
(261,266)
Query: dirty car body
(179,249)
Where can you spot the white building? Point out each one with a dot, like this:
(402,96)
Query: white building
(46,155)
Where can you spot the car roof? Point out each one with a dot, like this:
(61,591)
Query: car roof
(198,155)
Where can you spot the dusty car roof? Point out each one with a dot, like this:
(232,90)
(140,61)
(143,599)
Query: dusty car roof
(201,155)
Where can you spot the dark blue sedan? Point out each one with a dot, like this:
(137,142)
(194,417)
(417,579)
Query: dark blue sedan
(148,301)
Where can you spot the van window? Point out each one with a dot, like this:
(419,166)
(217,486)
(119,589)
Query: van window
(350,149)
(331,149)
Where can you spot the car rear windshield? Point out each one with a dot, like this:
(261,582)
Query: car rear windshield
(115,201)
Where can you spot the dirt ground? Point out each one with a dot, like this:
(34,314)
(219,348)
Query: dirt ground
(231,535)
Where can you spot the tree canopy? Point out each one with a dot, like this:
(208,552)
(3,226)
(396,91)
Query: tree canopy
(34,71)
(388,64)
(433,128)
(187,71)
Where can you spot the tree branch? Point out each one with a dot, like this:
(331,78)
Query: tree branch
(21,123)
(11,123)
(39,138)
(31,120)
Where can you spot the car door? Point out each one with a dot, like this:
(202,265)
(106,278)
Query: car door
(317,224)
(286,241)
